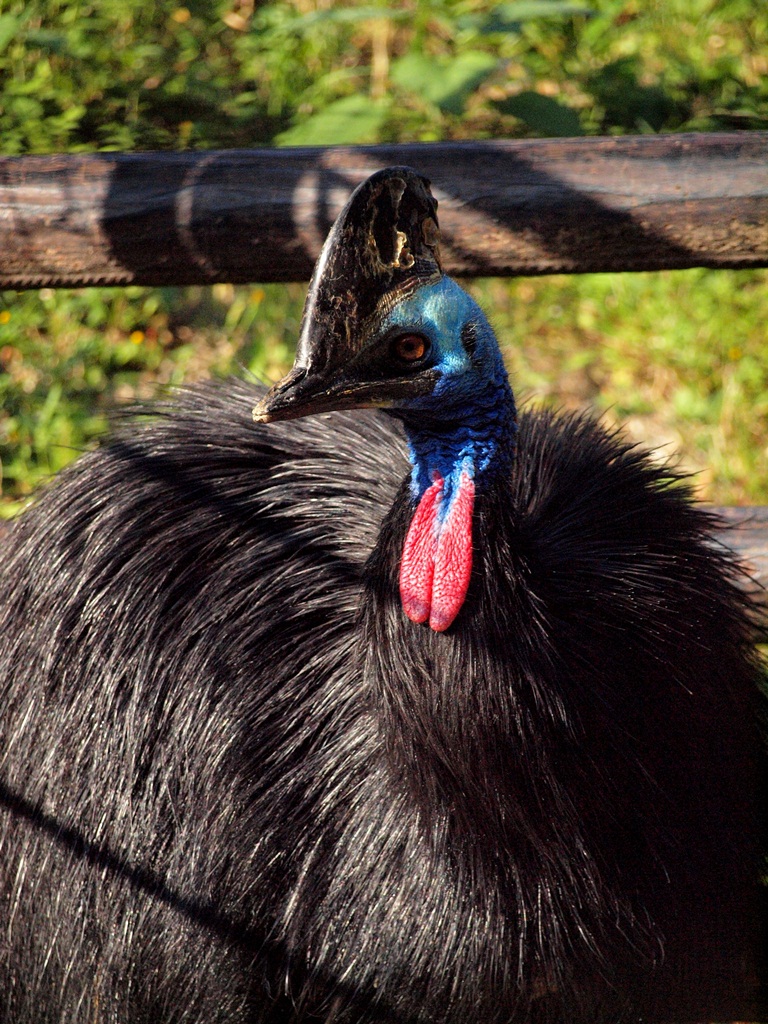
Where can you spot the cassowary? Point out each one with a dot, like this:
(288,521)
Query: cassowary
(425,713)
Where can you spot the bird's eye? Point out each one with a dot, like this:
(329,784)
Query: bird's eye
(409,348)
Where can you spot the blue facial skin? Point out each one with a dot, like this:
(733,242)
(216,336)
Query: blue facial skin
(468,422)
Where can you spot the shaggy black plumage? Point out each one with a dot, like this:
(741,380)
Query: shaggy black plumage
(238,784)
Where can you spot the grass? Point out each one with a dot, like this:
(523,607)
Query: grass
(677,358)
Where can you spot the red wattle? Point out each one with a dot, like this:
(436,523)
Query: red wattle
(418,562)
(453,558)
(437,557)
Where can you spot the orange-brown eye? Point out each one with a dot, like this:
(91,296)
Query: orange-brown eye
(409,348)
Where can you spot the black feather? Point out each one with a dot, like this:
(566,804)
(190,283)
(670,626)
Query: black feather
(237,784)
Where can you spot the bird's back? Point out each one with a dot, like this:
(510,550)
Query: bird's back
(204,814)
(177,624)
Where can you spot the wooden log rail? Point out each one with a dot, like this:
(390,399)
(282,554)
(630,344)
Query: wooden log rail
(506,208)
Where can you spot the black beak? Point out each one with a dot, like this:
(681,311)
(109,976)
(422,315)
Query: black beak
(382,247)
(301,393)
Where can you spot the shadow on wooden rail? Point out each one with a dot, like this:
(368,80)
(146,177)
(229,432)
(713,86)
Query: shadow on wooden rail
(506,207)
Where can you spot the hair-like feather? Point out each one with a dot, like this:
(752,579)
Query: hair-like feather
(238,784)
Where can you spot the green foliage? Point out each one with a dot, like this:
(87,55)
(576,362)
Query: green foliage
(110,74)
(681,357)
(447,82)
(542,113)
(678,359)
(70,358)
(352,120)
(106,74)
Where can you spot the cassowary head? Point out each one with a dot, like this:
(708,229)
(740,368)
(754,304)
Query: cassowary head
(383,326)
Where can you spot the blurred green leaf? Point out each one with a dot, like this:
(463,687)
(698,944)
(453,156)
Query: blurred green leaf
(630,104)
(9,26)
(526,10)
(52,42)
(447,84)
(542,113)
(511,16)
(342,16)
(355,119)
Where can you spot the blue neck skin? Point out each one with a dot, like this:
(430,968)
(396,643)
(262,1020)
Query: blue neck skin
(468,423)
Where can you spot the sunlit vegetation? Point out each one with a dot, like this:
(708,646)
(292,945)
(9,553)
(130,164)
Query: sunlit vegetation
(680,358)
